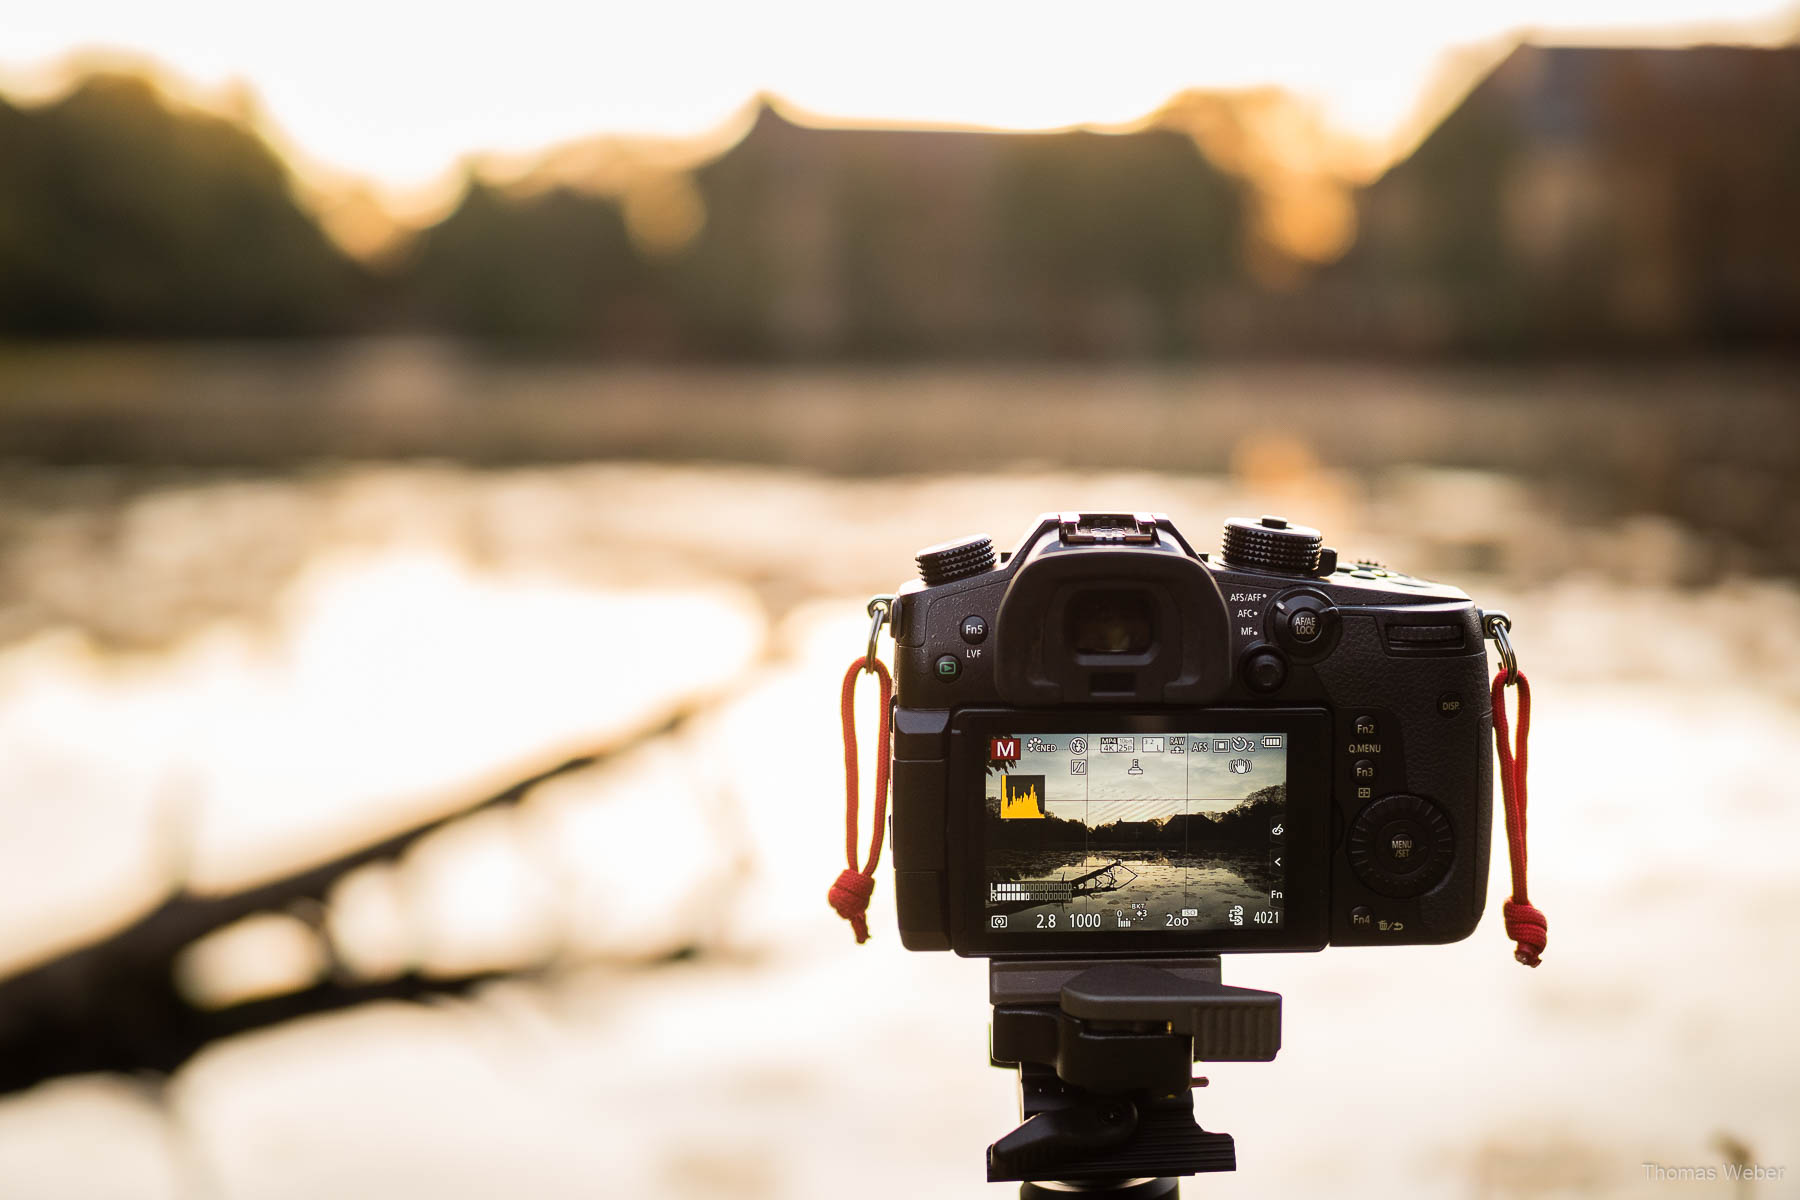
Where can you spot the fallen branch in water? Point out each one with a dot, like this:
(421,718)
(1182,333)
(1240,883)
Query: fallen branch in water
(115,1005)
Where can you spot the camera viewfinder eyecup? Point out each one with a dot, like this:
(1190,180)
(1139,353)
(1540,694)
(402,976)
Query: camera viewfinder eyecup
(1183,656)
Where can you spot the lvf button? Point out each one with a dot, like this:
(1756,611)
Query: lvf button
(974,629)
(948,668)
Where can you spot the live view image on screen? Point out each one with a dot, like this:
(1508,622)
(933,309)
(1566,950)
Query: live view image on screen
(1135,831)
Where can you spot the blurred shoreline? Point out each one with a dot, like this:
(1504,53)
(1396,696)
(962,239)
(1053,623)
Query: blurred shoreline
(1711,444)
(279,403)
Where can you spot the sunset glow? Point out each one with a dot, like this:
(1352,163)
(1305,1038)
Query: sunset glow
(399,94)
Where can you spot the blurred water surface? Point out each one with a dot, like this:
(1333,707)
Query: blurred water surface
(219,666)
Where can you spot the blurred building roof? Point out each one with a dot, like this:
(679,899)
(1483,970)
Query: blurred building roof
(1591,197)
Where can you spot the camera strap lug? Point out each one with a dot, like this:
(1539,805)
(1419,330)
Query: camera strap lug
(880,609)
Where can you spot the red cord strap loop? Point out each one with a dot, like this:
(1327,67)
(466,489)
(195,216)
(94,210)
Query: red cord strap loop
(1525,925)
(850,894)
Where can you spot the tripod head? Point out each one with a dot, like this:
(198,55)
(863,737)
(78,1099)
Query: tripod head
(1104,1051)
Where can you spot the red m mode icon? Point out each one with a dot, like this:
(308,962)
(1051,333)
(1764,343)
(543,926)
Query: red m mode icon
(1003,750)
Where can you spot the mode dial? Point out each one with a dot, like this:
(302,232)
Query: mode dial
(959,559)
(1271,544)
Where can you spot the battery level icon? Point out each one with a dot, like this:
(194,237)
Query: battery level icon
(1271,741)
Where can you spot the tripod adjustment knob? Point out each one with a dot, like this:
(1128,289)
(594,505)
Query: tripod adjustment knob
(1081,1131)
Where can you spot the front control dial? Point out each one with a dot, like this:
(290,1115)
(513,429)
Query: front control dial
(1401,846)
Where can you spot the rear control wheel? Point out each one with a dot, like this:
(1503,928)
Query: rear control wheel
(1401,846)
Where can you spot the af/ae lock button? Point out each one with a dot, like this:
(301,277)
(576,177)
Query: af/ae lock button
(1306,625)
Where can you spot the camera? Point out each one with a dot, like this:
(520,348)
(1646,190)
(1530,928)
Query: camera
(1107,745)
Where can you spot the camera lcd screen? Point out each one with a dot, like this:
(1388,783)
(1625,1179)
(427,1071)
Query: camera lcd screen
(1157,832)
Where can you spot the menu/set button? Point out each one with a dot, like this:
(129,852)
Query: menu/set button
(1400,846)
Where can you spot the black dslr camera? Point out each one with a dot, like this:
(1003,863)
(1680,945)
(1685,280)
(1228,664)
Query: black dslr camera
(1107,744)
(1115,758)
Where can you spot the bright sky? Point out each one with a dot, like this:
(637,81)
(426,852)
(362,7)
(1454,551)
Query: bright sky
(398,92)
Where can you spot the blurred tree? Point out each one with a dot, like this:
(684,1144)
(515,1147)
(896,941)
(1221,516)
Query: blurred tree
(120,214)
(1577,200)
(555,265)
